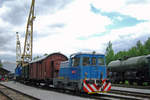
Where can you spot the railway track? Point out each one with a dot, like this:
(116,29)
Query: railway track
(7,93)
(115,96)
(143,96)
(132,86)
(112,95)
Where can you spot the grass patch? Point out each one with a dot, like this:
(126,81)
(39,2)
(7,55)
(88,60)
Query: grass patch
(145,84)
(120,82)
(126,82)
(134,83)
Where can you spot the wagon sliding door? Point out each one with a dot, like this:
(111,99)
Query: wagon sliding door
(52,69)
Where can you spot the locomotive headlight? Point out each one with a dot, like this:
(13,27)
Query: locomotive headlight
(107,81)
(85,75)
(98,81)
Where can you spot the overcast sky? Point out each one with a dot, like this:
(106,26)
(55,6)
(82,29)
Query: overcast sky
(70,26)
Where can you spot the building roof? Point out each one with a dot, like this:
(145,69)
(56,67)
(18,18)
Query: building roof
(4,71)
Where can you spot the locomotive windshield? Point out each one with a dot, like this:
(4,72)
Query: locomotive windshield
(93,61)
(75,61)
(101,61)
(86,61)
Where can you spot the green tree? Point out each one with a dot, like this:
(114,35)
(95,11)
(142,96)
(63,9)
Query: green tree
(140,49)
(121,55)
(109,53)
(147,46)
(1,64)
(132,52)
(36,57)
(45,54)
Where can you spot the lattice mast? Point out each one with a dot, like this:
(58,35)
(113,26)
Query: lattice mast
(27,53)
(18,49)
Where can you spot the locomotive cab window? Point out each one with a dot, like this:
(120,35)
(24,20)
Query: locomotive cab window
(86,61)
(101,61)
(94,61)
(75,61)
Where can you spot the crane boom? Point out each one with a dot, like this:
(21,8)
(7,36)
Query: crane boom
(18,49)
(27,53)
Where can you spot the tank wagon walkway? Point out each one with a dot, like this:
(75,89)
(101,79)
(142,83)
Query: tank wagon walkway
(41,94)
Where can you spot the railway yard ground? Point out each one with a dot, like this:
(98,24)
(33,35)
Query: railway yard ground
(7,93)
(117,93)
(40,93)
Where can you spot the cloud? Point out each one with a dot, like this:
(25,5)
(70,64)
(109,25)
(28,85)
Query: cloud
(69,26)
(6,37)
(13,12)
(78,25)
(13,18)
(128,42)
(77,18)
(138,11)
(50,6)
(133,8)
(125,38)
(16,11)
(7,43)
(3,1)
(136,1)
(57,25)
(64,28)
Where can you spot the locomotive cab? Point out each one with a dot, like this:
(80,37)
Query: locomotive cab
(85,72)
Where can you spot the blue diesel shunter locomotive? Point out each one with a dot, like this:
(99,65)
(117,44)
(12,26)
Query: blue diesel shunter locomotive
(84,72)
(18,72)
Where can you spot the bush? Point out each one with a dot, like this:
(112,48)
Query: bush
(145,84)
(126,82)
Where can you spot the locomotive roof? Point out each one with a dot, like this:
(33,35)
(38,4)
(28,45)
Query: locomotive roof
(44,57)
(89,53)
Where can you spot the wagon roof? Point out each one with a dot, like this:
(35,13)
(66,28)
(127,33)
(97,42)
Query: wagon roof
(44,57)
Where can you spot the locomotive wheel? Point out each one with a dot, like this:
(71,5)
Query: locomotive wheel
(130,82)
(122,82)
(140,83)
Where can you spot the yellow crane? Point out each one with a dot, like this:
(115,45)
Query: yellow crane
(18,49)
(27,52)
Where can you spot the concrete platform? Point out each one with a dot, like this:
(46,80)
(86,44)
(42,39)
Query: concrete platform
(41,94)
(145,91)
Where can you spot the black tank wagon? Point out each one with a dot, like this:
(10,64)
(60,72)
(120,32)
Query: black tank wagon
(134,69)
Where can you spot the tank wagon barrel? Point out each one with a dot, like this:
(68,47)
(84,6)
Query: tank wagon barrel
(132,69)
(129,63)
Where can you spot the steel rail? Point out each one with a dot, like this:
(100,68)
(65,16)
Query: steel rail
(19,92)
